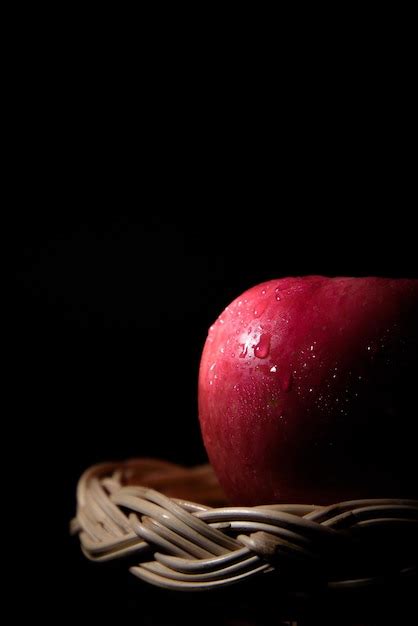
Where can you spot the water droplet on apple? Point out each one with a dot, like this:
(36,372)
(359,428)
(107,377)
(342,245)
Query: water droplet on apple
(277,292)
(287,382)
(262,349)
(244,351)
(273,369)
(260,308)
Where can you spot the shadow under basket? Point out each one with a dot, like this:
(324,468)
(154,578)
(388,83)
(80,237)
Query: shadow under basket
(172,527)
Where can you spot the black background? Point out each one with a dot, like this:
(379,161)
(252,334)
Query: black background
(111,316)
(145,197)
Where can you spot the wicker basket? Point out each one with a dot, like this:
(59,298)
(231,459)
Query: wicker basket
(145,509)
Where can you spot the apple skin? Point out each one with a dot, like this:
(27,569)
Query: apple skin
(307,391)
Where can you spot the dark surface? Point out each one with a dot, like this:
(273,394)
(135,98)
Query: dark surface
(110,319)
(291,159)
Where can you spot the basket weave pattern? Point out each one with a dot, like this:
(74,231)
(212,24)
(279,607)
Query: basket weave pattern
(179,544)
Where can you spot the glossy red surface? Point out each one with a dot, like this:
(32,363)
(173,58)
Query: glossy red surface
(306,390)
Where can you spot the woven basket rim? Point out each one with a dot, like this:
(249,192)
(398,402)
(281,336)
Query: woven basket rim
(185,545)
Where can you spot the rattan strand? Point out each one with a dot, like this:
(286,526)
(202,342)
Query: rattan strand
(182,545)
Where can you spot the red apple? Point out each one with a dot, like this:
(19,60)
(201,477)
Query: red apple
(307,391)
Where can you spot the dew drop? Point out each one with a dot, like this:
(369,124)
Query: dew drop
(244,351)
(262,349)
(273,369)
(260,308)
(287,382)
(277,292)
